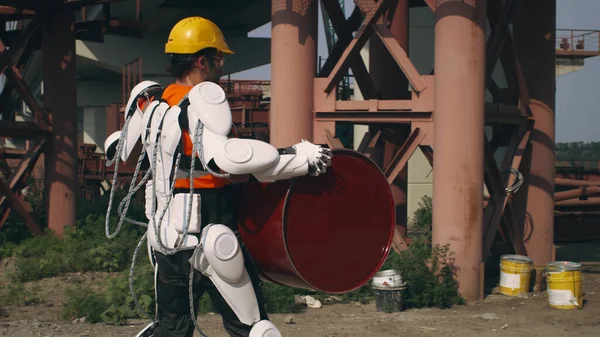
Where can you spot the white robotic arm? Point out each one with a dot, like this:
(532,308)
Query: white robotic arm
(267,164)
(134,127)
(209,106)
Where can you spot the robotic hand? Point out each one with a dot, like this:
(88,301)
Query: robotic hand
(318,158)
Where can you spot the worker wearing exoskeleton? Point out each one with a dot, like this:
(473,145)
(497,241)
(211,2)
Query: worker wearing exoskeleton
(185,130)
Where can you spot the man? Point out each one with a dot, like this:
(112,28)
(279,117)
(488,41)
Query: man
(197,48)
(185,131)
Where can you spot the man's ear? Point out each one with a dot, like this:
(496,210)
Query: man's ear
(201,63)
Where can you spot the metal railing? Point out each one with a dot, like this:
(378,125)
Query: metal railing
(575,41)
(131,75)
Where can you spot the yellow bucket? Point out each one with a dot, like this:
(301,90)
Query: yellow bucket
(515,274)
(563,279)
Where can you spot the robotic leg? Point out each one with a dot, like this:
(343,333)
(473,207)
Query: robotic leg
(219,257)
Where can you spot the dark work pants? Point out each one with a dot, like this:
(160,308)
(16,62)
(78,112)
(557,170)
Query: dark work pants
(173,306)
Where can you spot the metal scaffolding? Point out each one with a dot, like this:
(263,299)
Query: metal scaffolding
(49,26)
(444,111)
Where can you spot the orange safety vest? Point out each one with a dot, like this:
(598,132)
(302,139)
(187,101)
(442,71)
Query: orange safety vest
(173,94)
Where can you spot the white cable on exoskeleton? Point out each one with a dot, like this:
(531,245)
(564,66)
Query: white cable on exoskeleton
(201,154)
(133,188)
(191,295)
(115,160)
(131,270)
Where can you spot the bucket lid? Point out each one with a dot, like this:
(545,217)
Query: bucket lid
(400,287)
(389,272)
(564,265)
(516,258)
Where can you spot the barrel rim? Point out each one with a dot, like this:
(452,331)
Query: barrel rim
(564,265)
(284,222)
(516,258)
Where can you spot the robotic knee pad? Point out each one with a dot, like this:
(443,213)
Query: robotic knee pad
(264,328)
(220,258)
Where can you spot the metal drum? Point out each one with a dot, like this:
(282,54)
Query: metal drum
(330,233)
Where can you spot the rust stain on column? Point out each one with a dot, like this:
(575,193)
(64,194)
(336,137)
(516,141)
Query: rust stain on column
(391,83)
(534,30)
(293,68)
(459,133)
(60,99)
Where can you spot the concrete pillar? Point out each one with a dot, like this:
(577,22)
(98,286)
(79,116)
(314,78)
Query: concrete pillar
(391,83)
(94,126)
(60,99)
(293,69)
(458,137)
(534,29)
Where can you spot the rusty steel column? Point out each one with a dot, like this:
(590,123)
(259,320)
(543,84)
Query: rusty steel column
(458,137)
(391,83)
(60,99)
(293,69)
(534,29)
(389,80)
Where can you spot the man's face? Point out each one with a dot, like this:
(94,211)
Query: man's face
(211,67)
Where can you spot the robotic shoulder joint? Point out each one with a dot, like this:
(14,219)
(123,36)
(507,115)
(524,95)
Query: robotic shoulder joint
(208,103)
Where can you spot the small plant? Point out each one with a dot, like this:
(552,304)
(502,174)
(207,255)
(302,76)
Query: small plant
(20,294)
(426,269)
(82,301)
(423,217)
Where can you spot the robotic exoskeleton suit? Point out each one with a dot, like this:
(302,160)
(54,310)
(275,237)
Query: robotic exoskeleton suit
(174,219)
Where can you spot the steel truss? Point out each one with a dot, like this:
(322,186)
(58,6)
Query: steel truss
(509,114)
(51,26)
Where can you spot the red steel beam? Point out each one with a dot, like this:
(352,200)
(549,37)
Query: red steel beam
(362,36)
(458,137)
(392,84)
(24,169)
(575,183)
(534,20)
(343,29)
(584,191)
(19,206)
(590,202)
(431,4)
(60,99)
(416,81)
(498,203)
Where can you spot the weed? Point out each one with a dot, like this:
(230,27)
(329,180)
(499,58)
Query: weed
(81,301)
(20,294)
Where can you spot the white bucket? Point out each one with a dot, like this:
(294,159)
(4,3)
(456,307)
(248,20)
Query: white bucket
(387,279)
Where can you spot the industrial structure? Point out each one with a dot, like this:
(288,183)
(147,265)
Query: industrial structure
(482,95)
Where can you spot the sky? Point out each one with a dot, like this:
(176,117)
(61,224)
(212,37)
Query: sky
(577,96)
(577,93)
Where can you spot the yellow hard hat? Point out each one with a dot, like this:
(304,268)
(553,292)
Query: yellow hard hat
(193,34)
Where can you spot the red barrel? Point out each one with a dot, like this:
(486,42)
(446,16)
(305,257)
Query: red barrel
(329,233)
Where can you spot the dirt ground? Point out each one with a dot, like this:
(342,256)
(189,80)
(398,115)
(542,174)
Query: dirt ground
(496,315)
